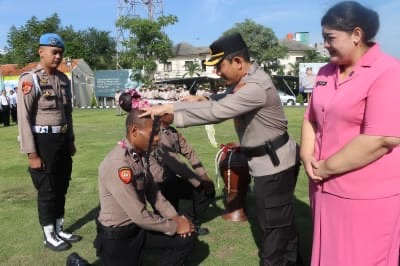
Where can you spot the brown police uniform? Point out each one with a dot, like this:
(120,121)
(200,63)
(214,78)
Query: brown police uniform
(273,159)
(177,180)
(45,127)
(125,227)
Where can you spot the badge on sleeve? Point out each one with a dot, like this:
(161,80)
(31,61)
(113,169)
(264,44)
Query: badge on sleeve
(125,174)
(26,87)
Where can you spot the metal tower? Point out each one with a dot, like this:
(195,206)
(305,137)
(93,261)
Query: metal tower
(135,8)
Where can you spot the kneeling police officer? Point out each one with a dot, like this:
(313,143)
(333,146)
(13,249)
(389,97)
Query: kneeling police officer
(125,227)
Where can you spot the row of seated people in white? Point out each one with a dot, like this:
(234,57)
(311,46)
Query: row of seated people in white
(171,94)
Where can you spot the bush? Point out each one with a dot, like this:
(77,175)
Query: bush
(94,101)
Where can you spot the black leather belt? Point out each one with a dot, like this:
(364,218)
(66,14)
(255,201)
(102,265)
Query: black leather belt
(268,147)
(119,232)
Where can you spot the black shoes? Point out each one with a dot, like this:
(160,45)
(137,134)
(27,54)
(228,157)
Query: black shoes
(202,231)
(74,259)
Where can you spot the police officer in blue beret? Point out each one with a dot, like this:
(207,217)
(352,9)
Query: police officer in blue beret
(47,137)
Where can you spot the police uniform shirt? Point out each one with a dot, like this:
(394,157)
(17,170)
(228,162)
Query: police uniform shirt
(122,196)
(171,144)
(258,117)
(49,106)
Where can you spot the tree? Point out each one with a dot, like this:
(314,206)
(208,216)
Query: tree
(263,45)
(147,44)
(192,69)
(23,41)
(96,47)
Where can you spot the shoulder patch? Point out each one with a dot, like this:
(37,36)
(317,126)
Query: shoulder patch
(26,87)
(125,174)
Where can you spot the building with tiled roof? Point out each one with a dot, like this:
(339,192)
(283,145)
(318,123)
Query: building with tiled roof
(296,52)
(83,78)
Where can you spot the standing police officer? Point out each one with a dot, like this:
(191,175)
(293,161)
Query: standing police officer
(125,227)
(47,137)
(261,126)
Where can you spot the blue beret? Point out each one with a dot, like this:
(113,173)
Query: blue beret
(51,39)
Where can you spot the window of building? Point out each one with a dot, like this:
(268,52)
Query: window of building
(168,67)
(203,66)
(188,64)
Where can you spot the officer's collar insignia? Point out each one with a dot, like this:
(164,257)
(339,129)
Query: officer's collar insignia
(46,93)
(26,87)
(239,86)
(125,174)
(321,83)
(135,156)
(44,80)
(131,151)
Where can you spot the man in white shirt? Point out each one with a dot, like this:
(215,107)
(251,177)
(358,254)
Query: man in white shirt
(13,105)
(5,105)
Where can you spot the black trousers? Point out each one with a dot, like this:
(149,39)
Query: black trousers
(176,188)
(13,111)
(6,115)
(275,211)
(129,251)
(52,181)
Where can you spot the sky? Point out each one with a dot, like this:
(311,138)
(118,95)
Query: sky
(202,21)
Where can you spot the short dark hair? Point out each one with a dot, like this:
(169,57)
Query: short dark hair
(134,119)
(347,15)
(243,53)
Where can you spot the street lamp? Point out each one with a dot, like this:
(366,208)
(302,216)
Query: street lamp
(69,64)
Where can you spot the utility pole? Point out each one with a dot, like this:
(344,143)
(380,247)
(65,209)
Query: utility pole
(134,8)
(68,61)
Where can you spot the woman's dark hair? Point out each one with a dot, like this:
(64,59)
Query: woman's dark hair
(125,101)
(347,15)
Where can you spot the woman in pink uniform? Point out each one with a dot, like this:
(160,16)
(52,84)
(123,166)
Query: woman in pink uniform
(349,145)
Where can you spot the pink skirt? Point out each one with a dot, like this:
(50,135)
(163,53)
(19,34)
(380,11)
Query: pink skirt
(349,232)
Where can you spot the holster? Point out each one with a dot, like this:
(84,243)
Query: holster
(268,147)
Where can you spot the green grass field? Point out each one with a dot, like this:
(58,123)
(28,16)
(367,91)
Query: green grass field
(97,131)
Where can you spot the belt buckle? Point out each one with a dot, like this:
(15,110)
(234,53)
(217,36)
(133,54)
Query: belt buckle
(64,128)
(43,129)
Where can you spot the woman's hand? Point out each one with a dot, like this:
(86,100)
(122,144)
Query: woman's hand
(311,166)
(321,170)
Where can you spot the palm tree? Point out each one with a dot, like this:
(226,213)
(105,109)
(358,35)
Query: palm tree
(192,69)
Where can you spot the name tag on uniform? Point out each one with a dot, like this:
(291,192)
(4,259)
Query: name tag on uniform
(321,83)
